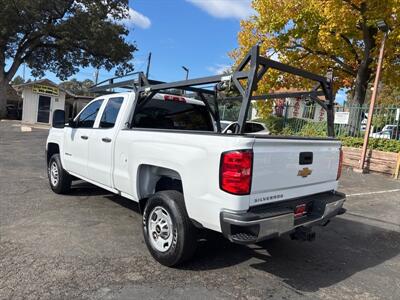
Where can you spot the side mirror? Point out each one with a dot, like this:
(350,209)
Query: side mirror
(58,118)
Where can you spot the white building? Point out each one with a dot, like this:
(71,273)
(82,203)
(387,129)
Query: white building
(42,97)
(300,109)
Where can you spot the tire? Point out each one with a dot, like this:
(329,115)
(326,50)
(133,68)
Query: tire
(174,241)
(59,179)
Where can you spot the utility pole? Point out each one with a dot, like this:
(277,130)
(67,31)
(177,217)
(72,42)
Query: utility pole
(187,76)
(385,29)
(187,71)
(148,65)
(96,76)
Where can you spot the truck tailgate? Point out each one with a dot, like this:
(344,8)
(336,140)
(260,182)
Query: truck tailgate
(290,168)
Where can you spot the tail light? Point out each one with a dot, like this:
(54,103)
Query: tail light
(339,171)
(300,210)
(236,171)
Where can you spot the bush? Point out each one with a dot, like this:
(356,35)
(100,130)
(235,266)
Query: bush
(294,126)
(273,123)
(314,129)
(376,144)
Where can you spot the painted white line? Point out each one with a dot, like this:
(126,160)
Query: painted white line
(372,193)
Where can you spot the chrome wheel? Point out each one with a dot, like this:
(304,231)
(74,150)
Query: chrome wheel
(54,175)
(160,229)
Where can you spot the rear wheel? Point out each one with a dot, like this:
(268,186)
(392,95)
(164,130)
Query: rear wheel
(59,179)
(169,234)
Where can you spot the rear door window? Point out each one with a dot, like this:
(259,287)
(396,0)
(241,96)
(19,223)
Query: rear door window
(163,114)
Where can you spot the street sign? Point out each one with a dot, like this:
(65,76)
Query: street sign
(342,117)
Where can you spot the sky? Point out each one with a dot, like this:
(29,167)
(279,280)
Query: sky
(197,34)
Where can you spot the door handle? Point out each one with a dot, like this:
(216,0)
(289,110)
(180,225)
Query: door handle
(84,137)
(106,140)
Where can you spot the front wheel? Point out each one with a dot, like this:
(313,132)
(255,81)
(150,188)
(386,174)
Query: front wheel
(59,179)
(168,232)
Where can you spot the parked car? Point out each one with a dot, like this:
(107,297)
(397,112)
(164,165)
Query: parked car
(250,127)
(14,111)
(388,132)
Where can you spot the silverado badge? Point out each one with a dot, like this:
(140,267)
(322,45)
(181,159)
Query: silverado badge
(304,172)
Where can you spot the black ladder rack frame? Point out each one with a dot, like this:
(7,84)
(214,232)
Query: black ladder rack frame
(252,68)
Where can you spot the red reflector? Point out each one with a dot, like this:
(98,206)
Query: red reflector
(339,171)
(300,210)
(174,98)
(235,172)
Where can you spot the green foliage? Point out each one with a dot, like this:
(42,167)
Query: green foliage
(376,144)
(77,87)
(287,131)
(316,35)
(294,126)
(379,121)
(17,80)
(314,129)
(273,123)
(263,108)
(60,36)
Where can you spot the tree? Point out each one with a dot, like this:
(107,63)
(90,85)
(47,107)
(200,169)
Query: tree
(321,34)
(17,80)
(60,36)
(387,95)
(77,87)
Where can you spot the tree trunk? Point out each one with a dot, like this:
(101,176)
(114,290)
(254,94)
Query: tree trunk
(3,98)
(362,78)
(360,90)
(361,83)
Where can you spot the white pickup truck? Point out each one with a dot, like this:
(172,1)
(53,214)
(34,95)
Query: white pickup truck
(168,154)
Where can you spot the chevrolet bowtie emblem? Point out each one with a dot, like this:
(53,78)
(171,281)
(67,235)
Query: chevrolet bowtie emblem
(304,173)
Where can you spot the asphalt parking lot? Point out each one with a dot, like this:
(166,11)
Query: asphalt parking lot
(89,245)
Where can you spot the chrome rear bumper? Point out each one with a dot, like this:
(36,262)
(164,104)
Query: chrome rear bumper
(275,219)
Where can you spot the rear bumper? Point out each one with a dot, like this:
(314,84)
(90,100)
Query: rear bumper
(271,220)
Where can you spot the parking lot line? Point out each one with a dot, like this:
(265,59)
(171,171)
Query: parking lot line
(372,193)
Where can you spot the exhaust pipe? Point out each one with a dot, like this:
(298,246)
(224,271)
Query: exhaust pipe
(303,234)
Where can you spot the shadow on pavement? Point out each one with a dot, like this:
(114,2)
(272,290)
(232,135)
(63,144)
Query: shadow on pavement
(342,249)
(81,188)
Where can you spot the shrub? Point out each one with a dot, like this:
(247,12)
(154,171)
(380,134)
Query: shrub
(376,144)
(273,123)
(314,129)
(294,126)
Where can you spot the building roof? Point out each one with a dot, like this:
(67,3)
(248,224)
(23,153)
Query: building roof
(40,81)
(69,94)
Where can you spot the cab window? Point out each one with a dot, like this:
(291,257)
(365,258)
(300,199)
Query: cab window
(173,115)
(87,117)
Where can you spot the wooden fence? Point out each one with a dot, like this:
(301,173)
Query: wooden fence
(376,161)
